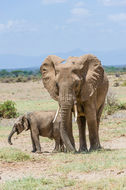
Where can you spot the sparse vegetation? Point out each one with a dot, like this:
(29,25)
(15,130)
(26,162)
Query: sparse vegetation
(8,110)
(13,155)
(124,83)
(106,159)
(31,183)
(27,75)
(112,104)
(105,184)
(116,84)
(104,169)
(19,76)
(17,73)
(113,70)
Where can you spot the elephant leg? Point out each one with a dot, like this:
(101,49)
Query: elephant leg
(81,121)
(57,143)
(62,148)
(33,144)
(36,141)
(93,134)
(91,118)
(99,113)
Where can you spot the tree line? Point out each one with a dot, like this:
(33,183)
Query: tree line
(17,73)
(113,69)
(26,73)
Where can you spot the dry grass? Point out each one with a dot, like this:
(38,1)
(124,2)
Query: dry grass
(105,169)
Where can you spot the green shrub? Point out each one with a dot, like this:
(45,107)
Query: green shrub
(122,106)
(112,105)
(109,110)
(19,79)
(19,76)
(7,80)
(116,84)
(8,110)
(124,83)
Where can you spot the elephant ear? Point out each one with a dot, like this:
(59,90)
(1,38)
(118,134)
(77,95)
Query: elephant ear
(48,74)
(93,74)
(25,123)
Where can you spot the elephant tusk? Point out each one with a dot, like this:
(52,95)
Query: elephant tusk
(75,111)
(56,115)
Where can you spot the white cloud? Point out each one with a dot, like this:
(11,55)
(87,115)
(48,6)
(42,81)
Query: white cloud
(121,17)
(17,26)
(79,4)
(62,27)
(53,1)
(113,2)
(7,26)
(1,27)
(79,11)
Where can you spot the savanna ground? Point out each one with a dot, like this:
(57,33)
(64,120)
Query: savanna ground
(22,170)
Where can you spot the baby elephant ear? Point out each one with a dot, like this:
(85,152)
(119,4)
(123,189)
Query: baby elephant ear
(25,123)
(93,74)
(48,74)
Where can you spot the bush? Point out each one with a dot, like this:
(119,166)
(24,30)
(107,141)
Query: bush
(8,110)
(124,83)
(7,80)
(112,104)
(116,84)
(20,79)
(122,106)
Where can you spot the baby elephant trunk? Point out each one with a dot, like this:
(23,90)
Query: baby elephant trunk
(10,135)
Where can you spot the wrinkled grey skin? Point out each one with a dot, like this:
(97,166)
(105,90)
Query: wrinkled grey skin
(81,81)
(39,123)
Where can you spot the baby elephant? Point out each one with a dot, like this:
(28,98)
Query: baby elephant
(40,124)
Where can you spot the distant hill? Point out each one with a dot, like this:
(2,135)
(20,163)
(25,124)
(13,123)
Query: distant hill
(115,58)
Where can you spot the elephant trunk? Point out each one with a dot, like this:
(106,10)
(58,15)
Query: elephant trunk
(66,127)
(10,135)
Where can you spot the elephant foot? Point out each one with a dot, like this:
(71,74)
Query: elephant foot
(72,152)
(62,149)
(56,151)
(83,150)
(95,148)
(38,152)
(33,151)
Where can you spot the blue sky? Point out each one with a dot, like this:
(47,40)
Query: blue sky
(37,27)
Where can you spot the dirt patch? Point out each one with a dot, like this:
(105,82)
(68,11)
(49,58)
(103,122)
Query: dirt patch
(40,168)
(23,91)
(117,143)
(93,176)
(12,171)
(118,115)
(7,122)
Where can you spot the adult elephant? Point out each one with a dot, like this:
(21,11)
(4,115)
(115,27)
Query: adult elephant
(79,81)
